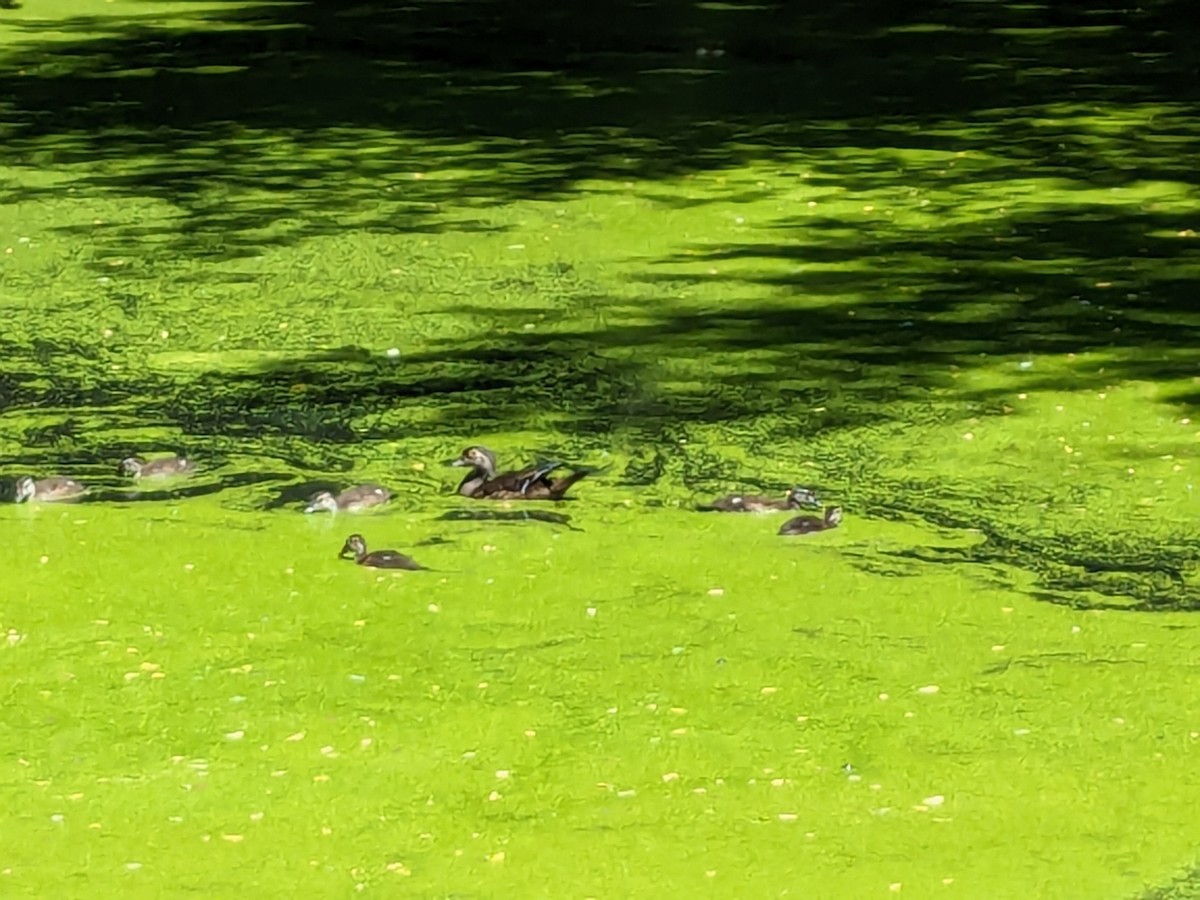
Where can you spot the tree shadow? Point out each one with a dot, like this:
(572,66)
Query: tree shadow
(294,120)
(298,120)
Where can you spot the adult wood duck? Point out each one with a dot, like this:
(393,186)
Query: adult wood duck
(164,467)
(796,498)
(356,547)
(811,524)
(364,496)
(534,483)
(55,489)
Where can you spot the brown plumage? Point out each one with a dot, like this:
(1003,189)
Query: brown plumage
(364,496)
(356,547)
(796,498)
(163,467)
(55,489)
(534,483)
(811,524)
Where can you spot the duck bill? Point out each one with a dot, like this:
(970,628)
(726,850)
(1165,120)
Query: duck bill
(457,461)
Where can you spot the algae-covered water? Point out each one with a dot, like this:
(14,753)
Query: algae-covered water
(942,270)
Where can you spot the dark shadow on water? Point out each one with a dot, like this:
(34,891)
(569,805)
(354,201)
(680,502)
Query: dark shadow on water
(291,119)
(1052,660)
(435,541)
(1093,571)
(1185,886)
(298,495)
(508,516)
(304,120)
(182,490)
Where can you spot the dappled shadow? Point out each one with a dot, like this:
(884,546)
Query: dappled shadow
(1092,571)
(301,120)
(294,121)
(1184,886)
(516,517)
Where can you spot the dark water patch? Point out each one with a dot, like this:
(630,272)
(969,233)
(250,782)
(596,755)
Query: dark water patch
(608,102)
(1050,660)
(810,633)
(298,452)
(674,455)
(508,516)
(201,486)
(1091,571)
(646,467)
(435,541)
(888,568)
(1185,886)
(476,653)
(350,395)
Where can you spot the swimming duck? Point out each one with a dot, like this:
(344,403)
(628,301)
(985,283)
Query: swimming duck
(351,500)
(811,524)
(164,467)
(356,546)
(796,498)
(534,483)
(55,489)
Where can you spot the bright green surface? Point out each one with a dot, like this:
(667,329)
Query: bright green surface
(648,701)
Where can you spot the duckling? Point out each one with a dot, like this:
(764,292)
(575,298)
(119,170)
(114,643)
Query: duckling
(55,489)
(796,498)
(811,524)
(356,546)
(164,467)
(534,483)
(351,500)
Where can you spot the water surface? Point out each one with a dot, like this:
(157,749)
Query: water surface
(951,317)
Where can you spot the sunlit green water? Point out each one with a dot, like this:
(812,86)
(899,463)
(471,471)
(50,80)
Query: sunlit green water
(979,686)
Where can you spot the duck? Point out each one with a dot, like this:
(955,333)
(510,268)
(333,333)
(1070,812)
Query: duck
(55,489)
(163,467)
(356,547)
(534,483)
(795,498)
(812,524)
(364,496)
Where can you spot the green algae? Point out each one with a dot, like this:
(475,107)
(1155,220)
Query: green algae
(214,696)
(979,684)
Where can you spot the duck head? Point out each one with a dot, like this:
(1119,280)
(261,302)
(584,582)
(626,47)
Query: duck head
(355,546)
(25,489)
(131,465)
(323,501)
(481,459)
(803,496)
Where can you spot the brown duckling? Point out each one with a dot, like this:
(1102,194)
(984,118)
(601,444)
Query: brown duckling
(534,483)
(163,467)
(796,498)
(350,500)
(356,546)
(811,524)
(55,489)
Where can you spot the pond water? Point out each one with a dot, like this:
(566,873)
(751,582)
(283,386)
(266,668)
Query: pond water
(980,685)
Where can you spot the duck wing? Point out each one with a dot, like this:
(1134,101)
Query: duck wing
(743,503)
(362,496)
(728,503)
(390,559)
(527,484)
